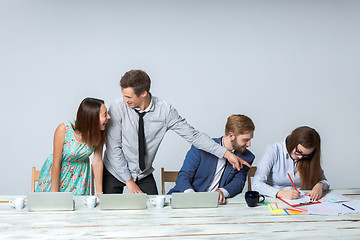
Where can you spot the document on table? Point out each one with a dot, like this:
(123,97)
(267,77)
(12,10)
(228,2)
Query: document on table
(334,197)
(332,204)
(303,200)
(329,208)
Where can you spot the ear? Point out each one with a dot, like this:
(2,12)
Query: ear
(144,93)
(231,136)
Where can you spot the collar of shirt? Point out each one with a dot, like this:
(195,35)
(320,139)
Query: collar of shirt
(148,109)
(285,149)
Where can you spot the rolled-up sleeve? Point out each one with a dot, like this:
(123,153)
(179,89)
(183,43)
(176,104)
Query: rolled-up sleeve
(324,181)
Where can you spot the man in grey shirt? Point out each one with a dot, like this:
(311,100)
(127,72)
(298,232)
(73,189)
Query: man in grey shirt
(122,156)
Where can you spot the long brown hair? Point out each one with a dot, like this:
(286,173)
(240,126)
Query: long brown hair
(309,169)
(88,122)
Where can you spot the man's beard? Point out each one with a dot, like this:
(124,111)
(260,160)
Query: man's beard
(238,148)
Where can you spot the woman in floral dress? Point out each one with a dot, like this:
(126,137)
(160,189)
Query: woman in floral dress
(68,168)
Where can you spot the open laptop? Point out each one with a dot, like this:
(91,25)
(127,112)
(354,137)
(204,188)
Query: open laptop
(195,200)
(50,201)
(125,201)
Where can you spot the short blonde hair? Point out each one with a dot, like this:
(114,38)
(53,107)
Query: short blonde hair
(239,124)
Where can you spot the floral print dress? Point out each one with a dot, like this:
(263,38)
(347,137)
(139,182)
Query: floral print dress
(75,167)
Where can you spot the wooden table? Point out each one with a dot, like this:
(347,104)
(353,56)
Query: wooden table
(231,221)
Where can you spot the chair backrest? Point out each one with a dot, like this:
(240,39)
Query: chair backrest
(34,178)
(250,174)
(167,176)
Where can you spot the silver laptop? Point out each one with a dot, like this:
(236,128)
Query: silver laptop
(195,200)
(50,201)
(123,201)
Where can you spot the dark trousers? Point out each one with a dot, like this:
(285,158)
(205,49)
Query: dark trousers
(112,185)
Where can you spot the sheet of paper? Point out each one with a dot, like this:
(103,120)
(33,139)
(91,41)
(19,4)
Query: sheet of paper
(300,201)
(323,209)
(329,208)
(334,197)
(329,197)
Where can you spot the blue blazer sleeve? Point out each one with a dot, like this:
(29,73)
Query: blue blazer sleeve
(199,168)
(187,171)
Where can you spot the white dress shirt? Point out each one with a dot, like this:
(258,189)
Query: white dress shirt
(271,174)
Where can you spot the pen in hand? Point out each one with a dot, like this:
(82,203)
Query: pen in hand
(292,182)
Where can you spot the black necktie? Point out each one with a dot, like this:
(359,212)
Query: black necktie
(141,140)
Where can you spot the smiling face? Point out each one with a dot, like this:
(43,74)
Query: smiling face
(132,100)
(242,141)
(103,117)
(300,152)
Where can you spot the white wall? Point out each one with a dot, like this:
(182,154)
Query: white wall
(283,63)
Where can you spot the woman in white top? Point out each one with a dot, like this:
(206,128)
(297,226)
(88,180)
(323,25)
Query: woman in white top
(299,155)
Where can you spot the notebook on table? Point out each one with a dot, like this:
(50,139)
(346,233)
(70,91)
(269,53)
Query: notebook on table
(303,200)
(195,200)
(123,201)
(50,201)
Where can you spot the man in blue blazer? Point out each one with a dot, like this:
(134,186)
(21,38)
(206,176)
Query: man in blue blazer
(204,172)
